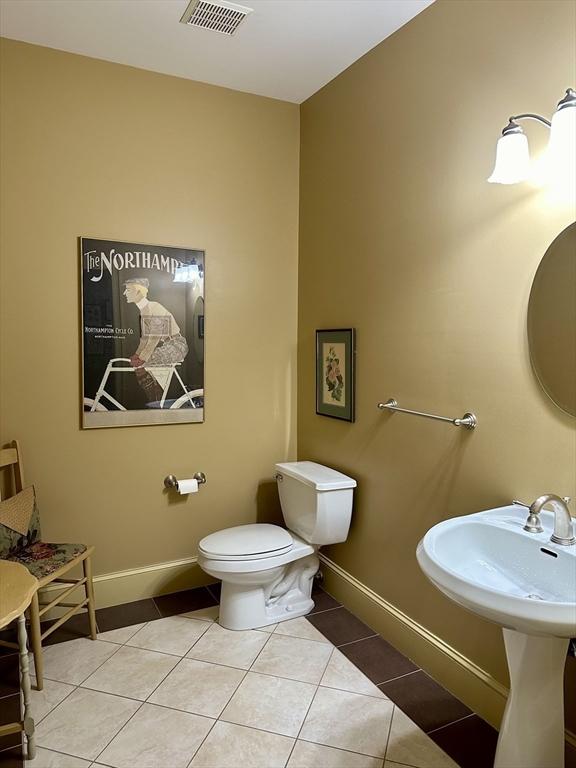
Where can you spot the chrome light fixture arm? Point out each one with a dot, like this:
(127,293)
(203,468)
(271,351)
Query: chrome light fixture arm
(512,154)
(513,126)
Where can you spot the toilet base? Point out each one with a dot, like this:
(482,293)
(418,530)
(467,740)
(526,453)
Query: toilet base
(285,594)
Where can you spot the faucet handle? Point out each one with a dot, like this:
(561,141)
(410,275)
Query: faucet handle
(533,524)
(567,499)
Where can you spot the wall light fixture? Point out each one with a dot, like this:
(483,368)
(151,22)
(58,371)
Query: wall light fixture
(512,154)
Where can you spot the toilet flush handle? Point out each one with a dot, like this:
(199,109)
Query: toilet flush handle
(278,477)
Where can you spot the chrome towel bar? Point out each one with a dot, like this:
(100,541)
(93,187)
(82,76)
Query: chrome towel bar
(468,421)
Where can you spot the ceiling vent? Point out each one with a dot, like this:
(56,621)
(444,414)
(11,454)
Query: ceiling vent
(219,16)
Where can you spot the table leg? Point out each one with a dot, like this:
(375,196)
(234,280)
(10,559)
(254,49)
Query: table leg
(25,682)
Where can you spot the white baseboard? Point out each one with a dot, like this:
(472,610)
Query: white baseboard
(458,674)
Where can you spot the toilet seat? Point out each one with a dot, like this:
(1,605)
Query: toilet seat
(247,542)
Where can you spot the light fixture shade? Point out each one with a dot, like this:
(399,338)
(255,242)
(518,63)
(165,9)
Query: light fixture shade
(512,159)
(562,146)
(186,273)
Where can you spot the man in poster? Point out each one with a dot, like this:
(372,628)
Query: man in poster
(161,343)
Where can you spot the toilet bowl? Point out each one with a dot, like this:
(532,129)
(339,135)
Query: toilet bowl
(267,571)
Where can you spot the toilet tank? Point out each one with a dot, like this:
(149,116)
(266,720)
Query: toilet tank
(316,501)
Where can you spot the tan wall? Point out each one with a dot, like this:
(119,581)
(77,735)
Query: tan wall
(97,149)
(402,238)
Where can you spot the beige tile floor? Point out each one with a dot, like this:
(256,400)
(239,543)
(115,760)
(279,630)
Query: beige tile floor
(182,692)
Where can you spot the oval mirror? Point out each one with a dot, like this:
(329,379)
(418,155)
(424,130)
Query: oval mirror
(552,321)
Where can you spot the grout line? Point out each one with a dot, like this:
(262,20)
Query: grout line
(104,693)
(304,720)
(326,667)
(66,681)
(95,760)
(368,637)
(297,637)
(143,701)
(389,732)
(280,677)
(399,677)
(18,747)
(212,595)
(199,747)
(126,644)
(434,730)
(324,610)
(166,653)
(133,623)
(217,719)
(368,695)
(57,752)
(160,616)
(260,651)
(351,752)
(255,728)
(37,722)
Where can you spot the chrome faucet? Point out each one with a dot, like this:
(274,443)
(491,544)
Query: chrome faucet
(563,529)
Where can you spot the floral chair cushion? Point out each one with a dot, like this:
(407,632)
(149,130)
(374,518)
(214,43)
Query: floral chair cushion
(42,558)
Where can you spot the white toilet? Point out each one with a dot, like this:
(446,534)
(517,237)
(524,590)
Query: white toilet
(267,571)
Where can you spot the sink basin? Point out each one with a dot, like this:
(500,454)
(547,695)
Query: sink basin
(487,563)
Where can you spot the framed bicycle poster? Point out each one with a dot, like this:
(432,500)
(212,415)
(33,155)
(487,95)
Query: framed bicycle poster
(142,334)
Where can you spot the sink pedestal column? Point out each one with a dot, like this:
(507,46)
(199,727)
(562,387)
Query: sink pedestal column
(532,730)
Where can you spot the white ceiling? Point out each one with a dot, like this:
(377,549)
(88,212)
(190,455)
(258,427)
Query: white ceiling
(285,49)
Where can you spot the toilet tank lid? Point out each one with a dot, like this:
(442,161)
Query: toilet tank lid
(318,476)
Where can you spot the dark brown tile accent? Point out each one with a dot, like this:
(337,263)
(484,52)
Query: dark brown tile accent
(9,678)
(424,701)
(10,712)
(323,601)
(470,742)
(215,590)
(12,758)
(377,659)
(181,602)
(340,626)
(10,743)
(76,626)
(10,635)
(118,616)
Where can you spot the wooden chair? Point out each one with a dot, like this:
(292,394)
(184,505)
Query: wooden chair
(47,562)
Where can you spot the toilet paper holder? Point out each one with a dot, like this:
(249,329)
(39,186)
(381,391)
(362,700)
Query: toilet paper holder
(170,481)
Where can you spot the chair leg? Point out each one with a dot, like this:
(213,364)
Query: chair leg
(35,637)
(87,566)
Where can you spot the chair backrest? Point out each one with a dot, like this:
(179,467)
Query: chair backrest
(11,469)
(24,510)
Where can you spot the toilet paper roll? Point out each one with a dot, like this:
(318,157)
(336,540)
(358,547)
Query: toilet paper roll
(189,485)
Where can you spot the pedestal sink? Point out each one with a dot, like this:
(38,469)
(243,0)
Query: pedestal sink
(487,563)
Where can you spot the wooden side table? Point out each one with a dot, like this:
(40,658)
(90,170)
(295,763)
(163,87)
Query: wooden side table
(17,587)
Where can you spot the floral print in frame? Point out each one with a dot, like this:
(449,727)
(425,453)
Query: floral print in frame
(335,351)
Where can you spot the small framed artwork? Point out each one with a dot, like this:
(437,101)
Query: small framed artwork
(335,351)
